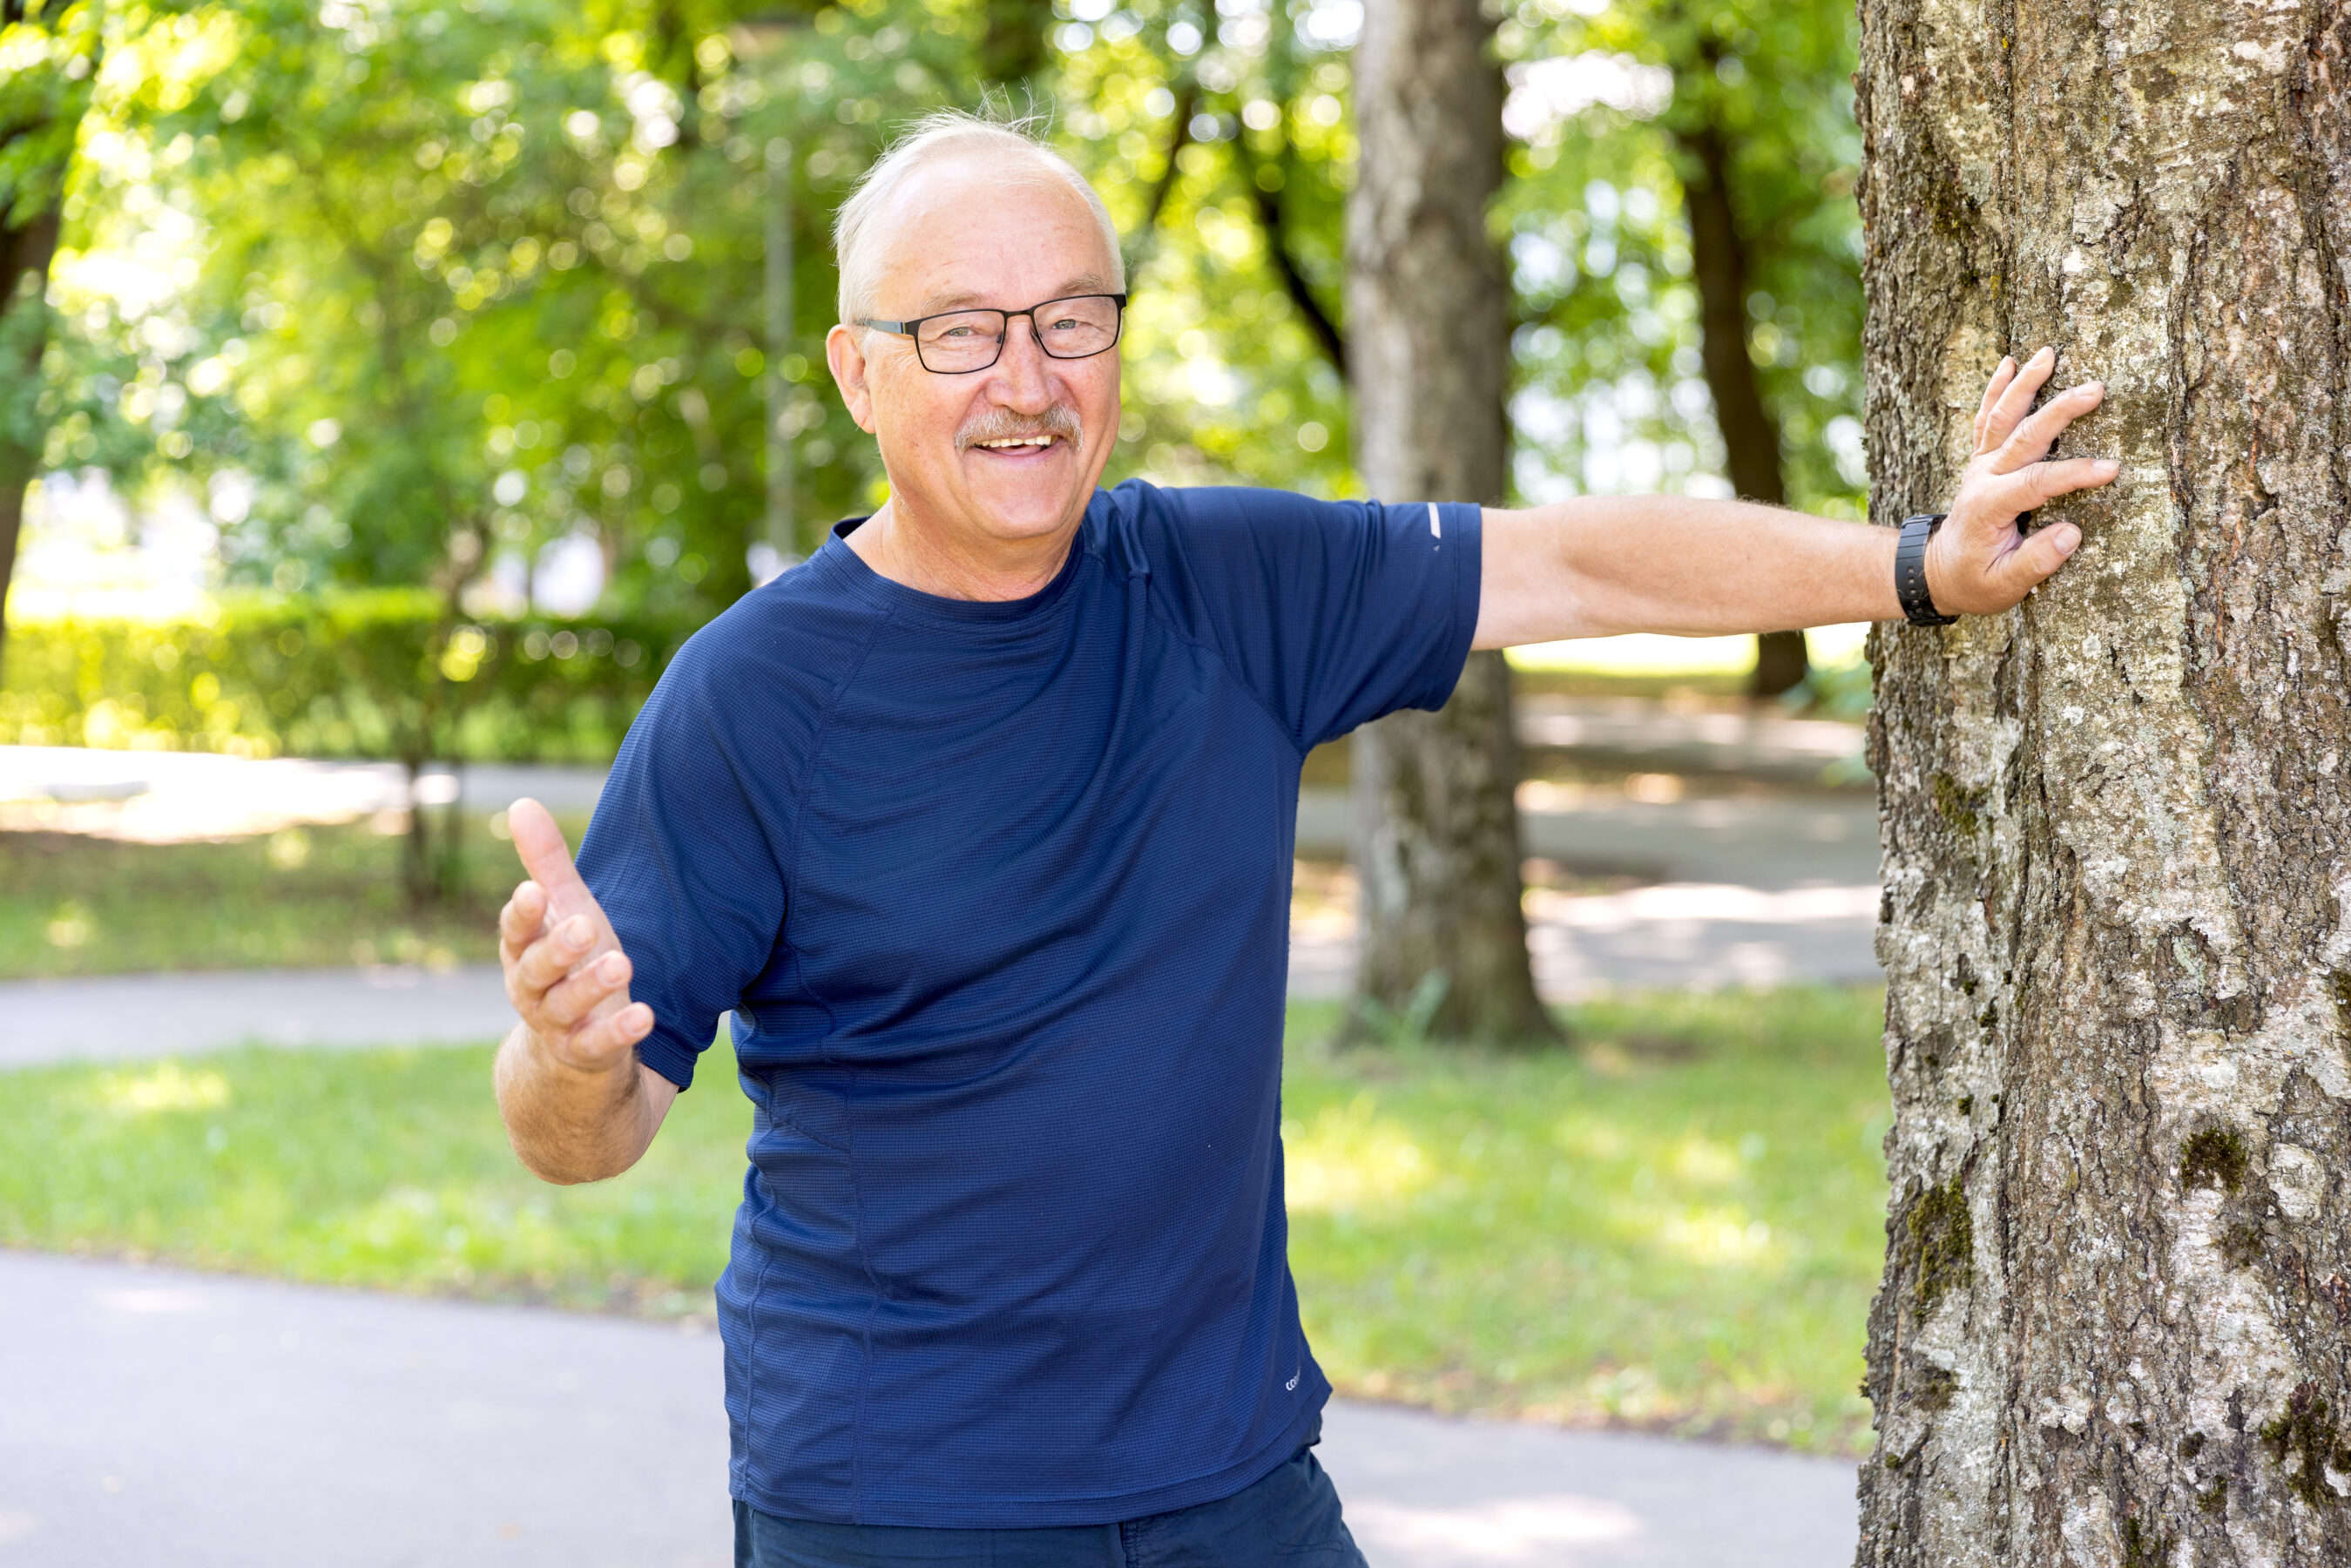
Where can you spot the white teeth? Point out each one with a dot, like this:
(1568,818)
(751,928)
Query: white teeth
(1022,441)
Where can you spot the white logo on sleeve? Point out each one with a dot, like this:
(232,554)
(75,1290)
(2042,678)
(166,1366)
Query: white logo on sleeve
(1292,1387)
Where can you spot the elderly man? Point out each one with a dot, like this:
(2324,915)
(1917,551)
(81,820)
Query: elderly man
(980,822)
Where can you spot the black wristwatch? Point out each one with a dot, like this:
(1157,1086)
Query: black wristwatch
(1910,571)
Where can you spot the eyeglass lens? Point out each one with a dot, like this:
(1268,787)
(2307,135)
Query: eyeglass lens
(1066,330)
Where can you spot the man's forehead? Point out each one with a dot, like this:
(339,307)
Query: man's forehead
(961,232)
(956,296)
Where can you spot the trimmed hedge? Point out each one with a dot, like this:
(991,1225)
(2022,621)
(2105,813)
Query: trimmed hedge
(386,674)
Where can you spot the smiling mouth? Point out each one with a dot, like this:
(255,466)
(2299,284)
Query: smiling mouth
(1014,443)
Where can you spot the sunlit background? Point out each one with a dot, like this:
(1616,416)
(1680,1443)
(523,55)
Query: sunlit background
(523,304)
(416,375)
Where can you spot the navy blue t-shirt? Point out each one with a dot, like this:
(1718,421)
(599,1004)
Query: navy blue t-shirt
(1000,895)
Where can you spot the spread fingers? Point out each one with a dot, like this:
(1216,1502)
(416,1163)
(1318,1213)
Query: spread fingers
(2000,377)
(2029,487)
(2015,399)
(2030,439)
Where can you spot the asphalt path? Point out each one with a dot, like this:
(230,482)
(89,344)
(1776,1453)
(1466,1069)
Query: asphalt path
(1750,891)
(151,1417)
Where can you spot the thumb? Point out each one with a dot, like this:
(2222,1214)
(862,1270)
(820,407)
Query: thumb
(547,858)
(2037,558)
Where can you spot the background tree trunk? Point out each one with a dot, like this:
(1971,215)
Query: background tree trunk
(1428,344)
(1012,47)
(2117,918)
(27,242)
(1751,437)
(40,113)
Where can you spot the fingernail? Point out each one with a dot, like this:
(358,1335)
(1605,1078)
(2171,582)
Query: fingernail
(2108,465)
(575,931)
(2069,539)
(611,966)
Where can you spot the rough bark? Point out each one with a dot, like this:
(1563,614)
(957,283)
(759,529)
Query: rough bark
(1427,320)
(2117,917)
(1751,437)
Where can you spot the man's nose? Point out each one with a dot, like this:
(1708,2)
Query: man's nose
(1023,369)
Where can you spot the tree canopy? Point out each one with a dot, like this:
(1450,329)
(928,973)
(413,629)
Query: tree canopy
(424,292)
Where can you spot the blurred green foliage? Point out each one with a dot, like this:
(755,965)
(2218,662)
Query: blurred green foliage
(452,280)
(1611,99)
(377,673)
(46,78)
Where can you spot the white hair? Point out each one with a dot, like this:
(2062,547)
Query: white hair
(1014,143)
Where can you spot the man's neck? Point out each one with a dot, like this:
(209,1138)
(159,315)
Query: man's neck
(928,561)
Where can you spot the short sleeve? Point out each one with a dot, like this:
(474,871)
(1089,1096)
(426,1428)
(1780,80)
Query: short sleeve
(1332,612)
(679,855)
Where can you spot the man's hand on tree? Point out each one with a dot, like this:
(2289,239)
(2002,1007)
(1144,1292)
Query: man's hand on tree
(566,974)
(1978,563)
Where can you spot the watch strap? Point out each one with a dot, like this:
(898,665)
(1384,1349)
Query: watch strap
(1910,571)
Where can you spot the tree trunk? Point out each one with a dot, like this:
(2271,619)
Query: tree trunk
(1751,437)
(40,116)
(27,242)
(1429,340)
(2117,927)
(1012,47)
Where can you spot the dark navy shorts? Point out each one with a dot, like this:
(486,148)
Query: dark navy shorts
(1291,1518)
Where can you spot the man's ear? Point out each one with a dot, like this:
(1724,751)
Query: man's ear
(846,356)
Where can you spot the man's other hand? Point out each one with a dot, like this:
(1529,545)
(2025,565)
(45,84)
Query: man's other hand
(1978,563)
(566,974)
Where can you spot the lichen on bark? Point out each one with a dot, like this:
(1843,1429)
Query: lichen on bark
(2117,913)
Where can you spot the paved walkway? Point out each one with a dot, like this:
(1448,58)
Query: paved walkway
(1673,934)
(150,1416)
(1749,890)
(161,795)
(164,797)
(1642,734)
(1761,841)
(134,1017)
(1757,889)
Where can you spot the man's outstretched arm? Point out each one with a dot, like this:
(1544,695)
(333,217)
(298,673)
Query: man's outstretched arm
(1605,564)
(578,1105)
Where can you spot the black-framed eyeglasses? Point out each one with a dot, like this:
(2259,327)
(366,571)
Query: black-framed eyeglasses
(957,343)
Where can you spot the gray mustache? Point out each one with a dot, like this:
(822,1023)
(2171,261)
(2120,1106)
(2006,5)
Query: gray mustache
(1003,424)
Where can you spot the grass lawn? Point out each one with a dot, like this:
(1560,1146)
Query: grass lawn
(1677,1225)
(306,896)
